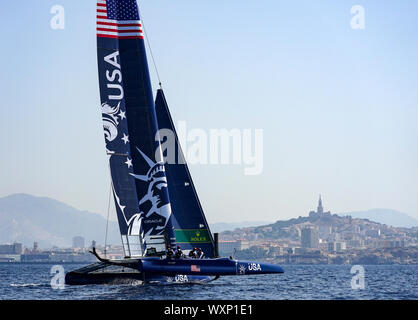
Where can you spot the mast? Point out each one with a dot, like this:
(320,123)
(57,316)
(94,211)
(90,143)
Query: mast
(139,182)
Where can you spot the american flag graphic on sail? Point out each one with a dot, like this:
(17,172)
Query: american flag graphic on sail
(118,19)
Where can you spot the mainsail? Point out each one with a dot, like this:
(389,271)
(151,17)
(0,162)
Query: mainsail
(191,227)
(138,176)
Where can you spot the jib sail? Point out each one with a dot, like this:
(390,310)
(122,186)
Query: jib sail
(191,227)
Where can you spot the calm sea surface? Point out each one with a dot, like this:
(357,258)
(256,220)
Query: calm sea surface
(32,281)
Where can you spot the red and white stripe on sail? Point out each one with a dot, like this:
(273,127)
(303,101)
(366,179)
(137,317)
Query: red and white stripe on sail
(108,28)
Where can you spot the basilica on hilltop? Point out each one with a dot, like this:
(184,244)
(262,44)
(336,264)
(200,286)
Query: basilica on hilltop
(319,211)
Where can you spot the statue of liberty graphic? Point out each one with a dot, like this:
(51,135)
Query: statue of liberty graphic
(155,205)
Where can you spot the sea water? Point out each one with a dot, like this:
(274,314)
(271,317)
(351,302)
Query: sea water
(299,282)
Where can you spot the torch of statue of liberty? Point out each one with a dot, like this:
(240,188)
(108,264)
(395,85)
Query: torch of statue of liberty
(155,205)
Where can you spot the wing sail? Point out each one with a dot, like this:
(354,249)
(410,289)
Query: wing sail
(138,179)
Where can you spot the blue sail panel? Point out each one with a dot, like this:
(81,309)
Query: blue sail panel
(118,147)
(191,227)
(130,125)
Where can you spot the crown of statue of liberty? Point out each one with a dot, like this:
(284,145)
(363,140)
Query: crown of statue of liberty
(154,168)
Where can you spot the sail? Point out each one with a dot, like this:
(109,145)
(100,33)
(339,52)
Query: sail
(139,182)
(191,227)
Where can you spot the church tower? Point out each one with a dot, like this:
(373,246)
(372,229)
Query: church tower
(320,210)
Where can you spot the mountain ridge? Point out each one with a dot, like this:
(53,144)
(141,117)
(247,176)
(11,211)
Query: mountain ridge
(26,218)
(390,217)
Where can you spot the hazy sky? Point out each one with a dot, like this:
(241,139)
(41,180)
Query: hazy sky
(339,107)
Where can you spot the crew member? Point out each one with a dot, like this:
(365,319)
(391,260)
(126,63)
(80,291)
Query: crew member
(192,253)
(179,253)
(200,254)
(169,252)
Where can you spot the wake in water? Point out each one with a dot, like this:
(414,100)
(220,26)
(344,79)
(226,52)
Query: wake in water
(26,284)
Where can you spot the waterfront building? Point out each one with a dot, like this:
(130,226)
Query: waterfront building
(337,247)
(78,242)
(310,238)
(227,247)
(15,248)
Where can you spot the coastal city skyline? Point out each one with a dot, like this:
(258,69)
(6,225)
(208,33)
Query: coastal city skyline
(48,206)
(321,237)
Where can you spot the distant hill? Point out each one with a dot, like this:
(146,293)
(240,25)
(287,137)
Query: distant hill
(225,226)
(289,231)
(386,216)
(25,218)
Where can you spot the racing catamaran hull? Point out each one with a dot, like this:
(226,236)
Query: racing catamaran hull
(156,270)
(207,267)
(99,274)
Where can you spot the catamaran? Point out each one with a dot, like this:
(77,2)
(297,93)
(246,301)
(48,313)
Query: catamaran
(156,201)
